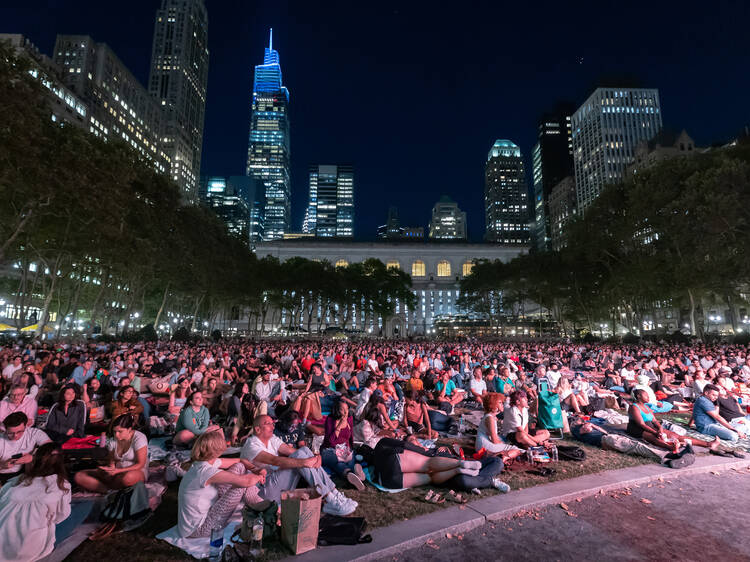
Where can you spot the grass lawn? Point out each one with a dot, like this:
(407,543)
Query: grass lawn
(379,508)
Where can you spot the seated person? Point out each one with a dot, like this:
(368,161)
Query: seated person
(567,398)
(270,392)
(707,418)
(446,390)
(126,403)
(730,409)
(94,398)
(371,384)
(67,416)
(287,465)
(393,396)
(654,404)
(417,416)
(194,420)
(178,396)
(289,429)
(487,437)
(415,382)
(400,464)
(642,424)
(127,462)
(337,450)
(374,424)
(17,400)
(32,504)
(213,487)
(211,394)
(477,386)
(516,423)
(17,443)
(308,405)
(504,382)
(240,411)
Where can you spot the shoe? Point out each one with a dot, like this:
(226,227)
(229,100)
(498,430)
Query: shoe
(338,504)
(737,454)
(500,485)
(681,462)
(355,481)
(471,464)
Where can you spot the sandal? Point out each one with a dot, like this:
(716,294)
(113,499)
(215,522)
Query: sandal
(720,453)
(104,531)
(542,471)
(457,498)
(433,497)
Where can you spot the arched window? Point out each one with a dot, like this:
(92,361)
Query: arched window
(444,269)
(342,263)
(466,268)
(393,264)
(418,269)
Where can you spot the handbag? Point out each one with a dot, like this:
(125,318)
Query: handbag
(335,529)
(570,453)
(126,504)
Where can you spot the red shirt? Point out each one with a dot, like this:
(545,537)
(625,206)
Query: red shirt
(346,435)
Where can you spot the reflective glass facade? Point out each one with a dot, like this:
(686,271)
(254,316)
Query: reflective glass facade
(268,148)
(506,204)
(330,212)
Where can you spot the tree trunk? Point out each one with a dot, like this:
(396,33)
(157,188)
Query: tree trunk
(95,306)
(161,308)
(48,299)
(198,301)
(692,312)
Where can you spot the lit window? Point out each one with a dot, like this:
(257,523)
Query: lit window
(466,269)
(342,263)
(393,264)
(444,269)
(418,269)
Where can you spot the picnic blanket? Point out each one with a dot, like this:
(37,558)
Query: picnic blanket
(742,444)
(369,473)
(199,548)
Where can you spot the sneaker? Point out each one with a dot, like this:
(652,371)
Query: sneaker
(500,485)
(355,481)
(338,504)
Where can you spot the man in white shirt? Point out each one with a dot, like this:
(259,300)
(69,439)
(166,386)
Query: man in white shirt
(268,391)
(17,444)
(372,365)
(12,367)
(286,465)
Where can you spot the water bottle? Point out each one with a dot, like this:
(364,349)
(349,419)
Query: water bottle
(553,453)
(461,426)
(216,545)
(256,546)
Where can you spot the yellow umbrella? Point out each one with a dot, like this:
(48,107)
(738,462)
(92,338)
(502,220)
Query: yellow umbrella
(6,328)
(34,327)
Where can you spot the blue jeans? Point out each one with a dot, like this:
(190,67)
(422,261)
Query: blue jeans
(439,420)
(719,431)
(332,464)
(458,380)
(491,467)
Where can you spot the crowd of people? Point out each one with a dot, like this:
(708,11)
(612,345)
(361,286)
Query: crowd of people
(325,412)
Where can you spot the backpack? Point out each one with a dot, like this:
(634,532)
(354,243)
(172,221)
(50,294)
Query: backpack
(334,529)
(570,453)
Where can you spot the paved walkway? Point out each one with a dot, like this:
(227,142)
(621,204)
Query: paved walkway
(395,540)
(700,517)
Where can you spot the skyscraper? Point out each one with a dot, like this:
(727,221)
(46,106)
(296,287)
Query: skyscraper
(552,160)
(119,106)
(220,194)
(178,80)
(448,222)
(268,148)
(506,207)
(331,208)
(606,131)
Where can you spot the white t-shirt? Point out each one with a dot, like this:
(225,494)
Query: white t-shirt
(627,374)
(373,364)
(478,386)
(514,418)
(196,496)
(254,446)
(128,458)
(362,400)
(10,370)
(553,377)
(30,439)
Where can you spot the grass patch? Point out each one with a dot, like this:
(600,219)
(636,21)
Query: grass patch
(380,509)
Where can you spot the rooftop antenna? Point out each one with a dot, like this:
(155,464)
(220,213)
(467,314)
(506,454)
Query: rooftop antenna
(270,40)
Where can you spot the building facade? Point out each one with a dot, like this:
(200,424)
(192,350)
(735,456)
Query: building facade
(119,106)
(506,197)
(665,145)
(562,208)
(607,128)
(436,270)
(552,160)
(178,81)
(268,148)
(448,222)
(219,194)
(330,212)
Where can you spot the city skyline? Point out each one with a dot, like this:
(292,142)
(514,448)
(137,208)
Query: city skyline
(335,65)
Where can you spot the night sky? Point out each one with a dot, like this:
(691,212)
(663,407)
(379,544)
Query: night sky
(414,94)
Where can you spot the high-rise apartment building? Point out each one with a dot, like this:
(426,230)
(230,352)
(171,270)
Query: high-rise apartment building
(330,212)
(119,106)
(178,80)
(268,148)
(607,128)
(448,222)
(552,160)
(506,207)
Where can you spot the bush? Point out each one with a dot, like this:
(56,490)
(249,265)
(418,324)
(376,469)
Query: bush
(216,335)
(630,338)
(181,334)
(147,333)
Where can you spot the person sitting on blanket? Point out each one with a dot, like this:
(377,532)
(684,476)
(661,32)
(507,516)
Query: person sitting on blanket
(67,417)
(213,487)
(446,390)
(194,420)
(516,423)
(487,436)
(127,463)
(642,424)
(730,409)
(656,406)
(17,443)
(337,450)
(287,465)
(707,418)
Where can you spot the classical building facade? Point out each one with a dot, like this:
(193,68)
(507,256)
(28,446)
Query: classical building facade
(436,270)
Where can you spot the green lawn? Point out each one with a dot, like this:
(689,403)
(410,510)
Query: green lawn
(379,508)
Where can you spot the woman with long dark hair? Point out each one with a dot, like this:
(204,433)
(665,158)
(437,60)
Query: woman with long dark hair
(32,504)
(67,417)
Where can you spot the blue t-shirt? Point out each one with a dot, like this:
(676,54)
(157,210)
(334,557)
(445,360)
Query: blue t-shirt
(449,388)
(700,412)
(500,385)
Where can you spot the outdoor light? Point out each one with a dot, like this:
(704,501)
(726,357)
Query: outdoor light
(687,325)
(174,321)
(205,324)
(2,302)
(122,322)
(136,315)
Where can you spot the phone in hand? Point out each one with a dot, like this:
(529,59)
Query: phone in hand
(16,456)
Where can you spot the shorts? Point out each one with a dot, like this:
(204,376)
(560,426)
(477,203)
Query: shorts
(387,464)
(417,427)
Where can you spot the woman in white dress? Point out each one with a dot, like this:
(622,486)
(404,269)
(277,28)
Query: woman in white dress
(32,504)
(128,459)
(487,436)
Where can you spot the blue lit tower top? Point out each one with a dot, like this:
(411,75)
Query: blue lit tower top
(268,74)
(504,148)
